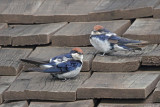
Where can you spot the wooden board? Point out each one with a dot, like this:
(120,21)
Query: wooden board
(6,34)
(20,11)
(3,25)
(120,61)
(144,29)
(36,34)
(128,105)
(20,35)
(15,104)
(152,58)
(78,33)
(62,10)
(45,53)
(10,60)
(156,12)
(126,9)
(5,82)
(156,93)
(81,103)
(42,86)
(118,86)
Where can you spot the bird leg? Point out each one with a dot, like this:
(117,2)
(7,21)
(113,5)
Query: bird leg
(93,53)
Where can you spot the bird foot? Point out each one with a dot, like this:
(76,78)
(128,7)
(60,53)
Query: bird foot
(103,54)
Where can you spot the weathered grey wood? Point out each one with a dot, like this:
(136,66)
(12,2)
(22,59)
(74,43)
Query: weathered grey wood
(144,29)
(36,34)
(77,33)
(126,9)
(152,58)
(62,10)
(81,103)
(156,93)
(10,60)
(118,86)
(42,86)
(5,82)
(19,11)
(20,35)
(6,34)
(45,53)
(128,105)
(156,12)
(120,61)
(3,25)
(15,104)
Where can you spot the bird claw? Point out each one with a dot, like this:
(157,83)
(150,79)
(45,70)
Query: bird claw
(64,80)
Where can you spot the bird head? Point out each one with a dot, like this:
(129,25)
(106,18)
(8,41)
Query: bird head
(77,53)
(98,30)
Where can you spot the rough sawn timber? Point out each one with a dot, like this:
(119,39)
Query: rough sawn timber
(81,103)
(10,60)
(118,86)
(42,86)
(78,33)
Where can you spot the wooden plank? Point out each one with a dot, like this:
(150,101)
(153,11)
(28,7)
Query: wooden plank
(10,60)
(15,104)
(6,34)
(3,25)
(156,12)
(120,61)
(42,86)
(81,103)
(77,33)
(20,35)
(152,58)
(5,82)
(128,105)
(156,93)
(144,29)
(118,86)
(22,14)
(45,53)
(36,34)
(126,9)
(62,10)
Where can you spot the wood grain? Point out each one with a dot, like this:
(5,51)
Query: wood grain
(129,105)
(45,53)
(118,86)
(10,60)
(42,86)
(21,35)
(15,104)
(62,10)
(156,11)
(19,11)
(122,9)
(152,58)
(81,103)
(78,33)
(36,34)
(121,61)
(5,82)
(156,93)
(144,29)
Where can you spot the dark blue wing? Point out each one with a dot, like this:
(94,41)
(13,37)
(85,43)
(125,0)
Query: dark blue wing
(64,67)
(120,40)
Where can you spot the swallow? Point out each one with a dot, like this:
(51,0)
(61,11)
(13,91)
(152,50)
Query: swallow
(105,41)
(63,67)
